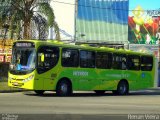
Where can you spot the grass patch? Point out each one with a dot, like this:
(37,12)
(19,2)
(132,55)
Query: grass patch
(4,78)
(4,86)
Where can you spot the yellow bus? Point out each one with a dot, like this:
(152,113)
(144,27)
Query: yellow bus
(54,66)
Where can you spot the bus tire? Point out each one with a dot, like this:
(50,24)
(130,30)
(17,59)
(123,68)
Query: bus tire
(122,88)
(99,92)
(39,92)
(64,88)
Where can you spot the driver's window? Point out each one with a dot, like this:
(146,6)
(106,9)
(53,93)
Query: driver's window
(50,60)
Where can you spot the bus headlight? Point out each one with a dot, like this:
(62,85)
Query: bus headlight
(10,78)
(28,79)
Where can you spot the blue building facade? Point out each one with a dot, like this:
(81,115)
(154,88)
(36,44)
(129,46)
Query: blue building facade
(102,21)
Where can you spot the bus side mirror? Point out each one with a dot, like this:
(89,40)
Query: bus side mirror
(42,57)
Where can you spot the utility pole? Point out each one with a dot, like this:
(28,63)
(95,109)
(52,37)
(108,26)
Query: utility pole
(75,17)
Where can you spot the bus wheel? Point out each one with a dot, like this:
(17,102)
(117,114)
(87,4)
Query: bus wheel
(64,88)
(99,92)
(122,88)
(39,92)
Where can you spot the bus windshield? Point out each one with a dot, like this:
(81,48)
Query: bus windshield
(23,60)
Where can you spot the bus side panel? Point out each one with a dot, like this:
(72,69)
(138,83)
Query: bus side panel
(146,79)
(81,78)
(68,73)
(109,79)
(132,77)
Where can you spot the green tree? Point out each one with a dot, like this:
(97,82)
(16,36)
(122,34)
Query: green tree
(19,14)
(3,19)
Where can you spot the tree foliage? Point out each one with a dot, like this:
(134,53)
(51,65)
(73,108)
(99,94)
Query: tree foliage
(21,15)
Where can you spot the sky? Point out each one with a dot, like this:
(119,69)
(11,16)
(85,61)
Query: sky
(145,4)
(64,14)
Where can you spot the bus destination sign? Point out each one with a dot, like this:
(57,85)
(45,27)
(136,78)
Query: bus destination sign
(23,44)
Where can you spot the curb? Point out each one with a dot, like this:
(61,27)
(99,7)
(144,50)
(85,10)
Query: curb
(157,89)
(10,91)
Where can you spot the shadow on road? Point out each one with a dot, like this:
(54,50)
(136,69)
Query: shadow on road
(92,94)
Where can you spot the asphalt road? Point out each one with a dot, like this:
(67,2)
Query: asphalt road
(86,103)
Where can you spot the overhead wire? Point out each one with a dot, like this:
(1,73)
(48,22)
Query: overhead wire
(96,7)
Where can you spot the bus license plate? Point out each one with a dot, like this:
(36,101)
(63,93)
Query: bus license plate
(15,83)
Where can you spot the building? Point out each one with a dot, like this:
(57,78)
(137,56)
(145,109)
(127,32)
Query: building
(102,21)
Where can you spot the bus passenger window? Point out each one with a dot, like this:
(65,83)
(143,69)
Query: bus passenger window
(116,63)
(70,57)
(130,64)
(51,56)
(124,66)
(87,59)
(146,63)
(133,62)
(103,60)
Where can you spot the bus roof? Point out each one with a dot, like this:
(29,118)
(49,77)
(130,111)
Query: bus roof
(84,47)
